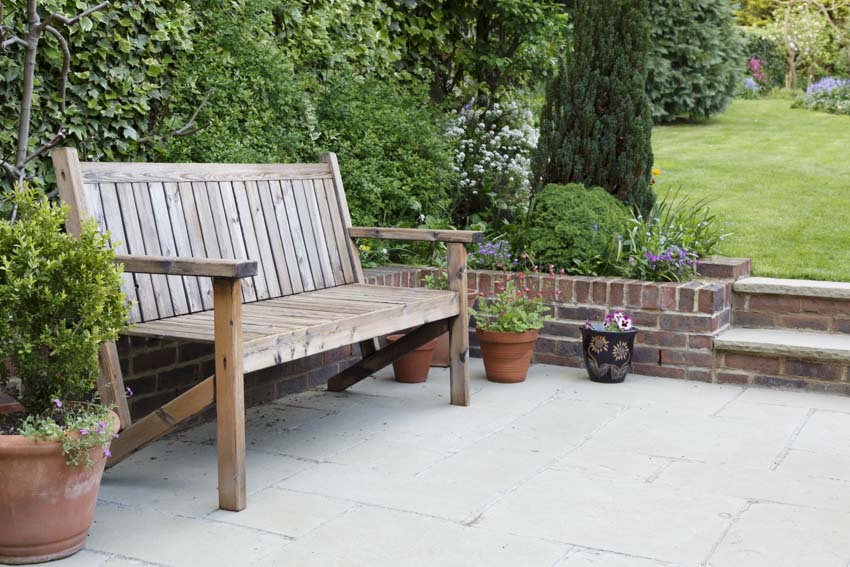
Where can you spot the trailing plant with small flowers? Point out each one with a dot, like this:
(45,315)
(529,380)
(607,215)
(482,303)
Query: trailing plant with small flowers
(511,309)
(79,427)
(493,255)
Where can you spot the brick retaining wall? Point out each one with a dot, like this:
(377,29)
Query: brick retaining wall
(677,321)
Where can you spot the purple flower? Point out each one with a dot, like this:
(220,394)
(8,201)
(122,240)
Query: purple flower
(107,453)
(84,431)
(129,391)
(57,402)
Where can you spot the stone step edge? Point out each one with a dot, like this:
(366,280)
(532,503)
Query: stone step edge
(797,288)
(808,345)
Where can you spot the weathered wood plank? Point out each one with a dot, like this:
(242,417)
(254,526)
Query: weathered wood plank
(158,423)
(340,234)
(387,355)
(288,243)
(234,226)
(274,237)
(319,234)
(261,236)
(105,172)
(297,233)
(299,193)
(115,225)
(459,326)
(150,242)
(183,246)
(229,395)
(422,235)
(135,245)
(177,265)
(195,237)
(162,224)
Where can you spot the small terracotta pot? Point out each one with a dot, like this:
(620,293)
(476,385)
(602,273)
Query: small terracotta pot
(413,367)
(47,506)
(442,352)
(507,356)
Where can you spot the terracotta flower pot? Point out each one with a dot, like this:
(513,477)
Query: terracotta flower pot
(47,505)
(442,352)
(413,367)
(507,356)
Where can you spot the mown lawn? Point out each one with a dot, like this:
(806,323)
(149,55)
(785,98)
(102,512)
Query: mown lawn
(779,176)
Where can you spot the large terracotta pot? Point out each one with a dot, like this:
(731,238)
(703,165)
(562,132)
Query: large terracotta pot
(442,352)
(46,506)
(413,367)
(507,356)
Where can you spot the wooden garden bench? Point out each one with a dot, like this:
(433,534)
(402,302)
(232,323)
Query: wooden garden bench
(259,260)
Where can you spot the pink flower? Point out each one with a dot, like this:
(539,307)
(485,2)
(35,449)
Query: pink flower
(107,453)
(57,402)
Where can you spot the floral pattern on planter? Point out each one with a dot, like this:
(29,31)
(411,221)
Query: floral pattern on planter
(607,354)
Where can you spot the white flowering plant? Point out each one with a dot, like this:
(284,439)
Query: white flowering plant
(492,155)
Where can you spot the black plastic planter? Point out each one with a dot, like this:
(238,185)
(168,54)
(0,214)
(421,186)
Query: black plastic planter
(607,354)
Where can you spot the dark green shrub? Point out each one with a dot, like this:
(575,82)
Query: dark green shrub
(596,124)
(695,61)
(122,63)
(572,227)
(395,161)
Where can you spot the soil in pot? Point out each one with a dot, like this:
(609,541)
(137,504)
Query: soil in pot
(413,367)
(507,356)
(442,352)
(47,506)
(607,354)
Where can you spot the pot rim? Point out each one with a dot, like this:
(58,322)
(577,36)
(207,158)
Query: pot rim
(21,444)
(506,337)
(604,331)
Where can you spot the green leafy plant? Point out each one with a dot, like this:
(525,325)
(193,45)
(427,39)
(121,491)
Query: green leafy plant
(571,227)
(440,281)
(511,310)
(60,300)
(80,428)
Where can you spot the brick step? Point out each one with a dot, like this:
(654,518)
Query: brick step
(771,303)
(817,361)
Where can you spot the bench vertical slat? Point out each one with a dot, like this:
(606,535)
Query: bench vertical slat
(267,259)
(134,243)
(177,216)
(195,236)
(221,228)
(340,236)
(167,246)
(306,229)
(319,234)
(150,245)
(107,196)
(249,235)
(275,240)
(237,238)
(297,234)
(290,254)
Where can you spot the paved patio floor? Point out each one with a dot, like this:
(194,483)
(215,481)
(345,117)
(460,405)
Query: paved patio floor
(557,471)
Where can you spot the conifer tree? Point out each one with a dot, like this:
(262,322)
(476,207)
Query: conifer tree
(596,123)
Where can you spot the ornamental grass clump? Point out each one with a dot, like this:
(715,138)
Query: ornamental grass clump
(511,310)
(60,300)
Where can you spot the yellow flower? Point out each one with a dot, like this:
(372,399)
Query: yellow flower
(656,172)
(365,248)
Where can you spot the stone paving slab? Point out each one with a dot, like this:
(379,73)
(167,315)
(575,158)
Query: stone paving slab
(555,472)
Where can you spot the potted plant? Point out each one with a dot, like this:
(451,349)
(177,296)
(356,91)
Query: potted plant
(507,326)
(442,353)
(608,347)
(60,300)
(413,367)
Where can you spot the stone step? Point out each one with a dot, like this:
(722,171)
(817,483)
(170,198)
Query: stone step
(787,343)
(772,303)
(776,357)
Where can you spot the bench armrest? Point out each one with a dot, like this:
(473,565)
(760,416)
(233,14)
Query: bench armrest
(179,266)
(422,235)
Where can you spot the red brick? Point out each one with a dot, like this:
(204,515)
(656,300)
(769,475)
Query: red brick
(804,322)
(701,342)
(565,286)
(825,306)
(808,369)
(617,293)
(686,358)
(485,283)
(141,386)
(711,298)
(152,360)
(776,382)
(554,359)
(651,296)
(661,338)
(633,294)
(688,323)
(668,296)
(755,320)
(699,375)
(548,286)
(741,301)
(600,292)
(841,325)
(581,313)
(687,298)
(753,363)
(644,320)
(663,371)
(194,351)
(776,303)
(725,268)
(582,289)
(645,354)
(732,378)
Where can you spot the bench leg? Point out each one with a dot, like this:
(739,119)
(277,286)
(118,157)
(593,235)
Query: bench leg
(229,394)
(459,327)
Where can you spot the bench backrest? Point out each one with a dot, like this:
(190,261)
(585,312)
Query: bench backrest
(292,219)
